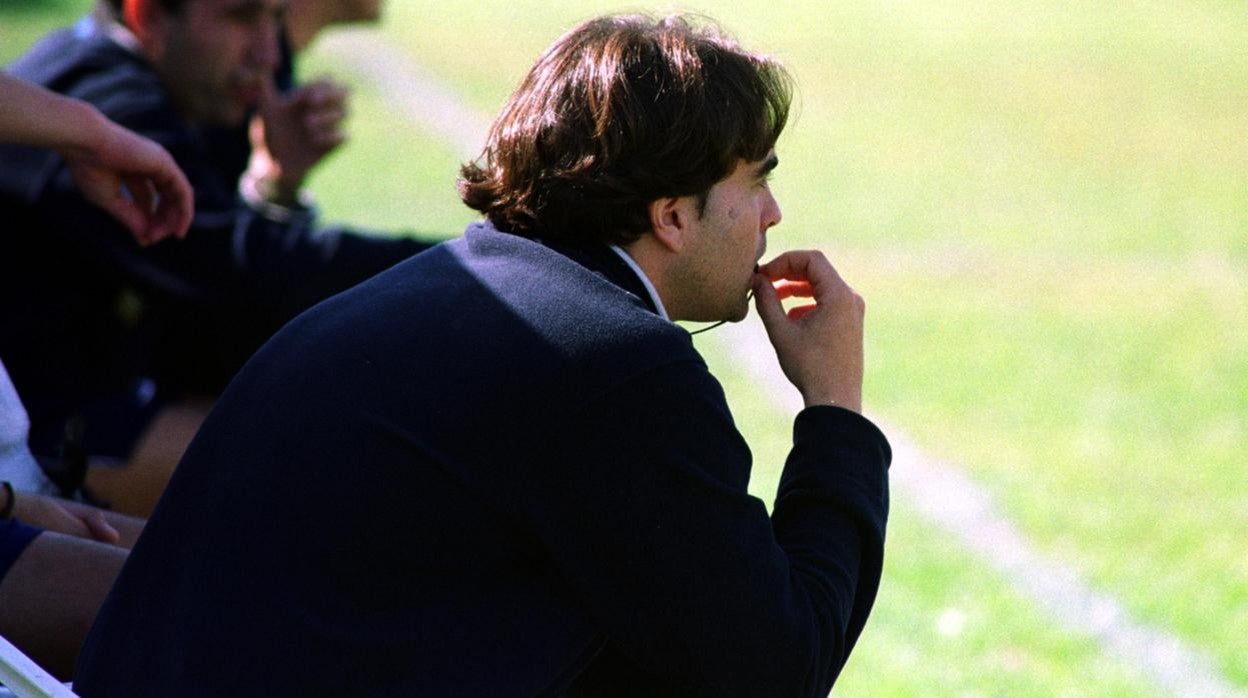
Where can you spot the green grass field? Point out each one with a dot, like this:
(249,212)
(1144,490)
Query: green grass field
(1046,207)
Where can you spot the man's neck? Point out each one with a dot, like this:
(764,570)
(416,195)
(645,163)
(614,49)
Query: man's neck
(652,259)
(655,299)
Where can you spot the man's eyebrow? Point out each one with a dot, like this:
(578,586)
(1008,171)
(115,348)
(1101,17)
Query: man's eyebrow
(767,166)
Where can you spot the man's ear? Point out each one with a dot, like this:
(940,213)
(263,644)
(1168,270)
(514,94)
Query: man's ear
(145,19)
(671,220)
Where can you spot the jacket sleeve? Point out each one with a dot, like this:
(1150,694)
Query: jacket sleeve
(699,591)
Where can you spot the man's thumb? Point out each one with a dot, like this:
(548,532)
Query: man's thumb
(767,302)
(99,527)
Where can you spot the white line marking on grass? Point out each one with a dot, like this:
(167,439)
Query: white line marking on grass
(405,84)
(941,492)
(966,510)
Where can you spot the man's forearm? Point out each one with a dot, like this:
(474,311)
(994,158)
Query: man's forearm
(831,512)
(33,115)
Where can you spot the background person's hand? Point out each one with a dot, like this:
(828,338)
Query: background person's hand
(292,133)
(63,516)
(135,180)
(130,176)
(819,344)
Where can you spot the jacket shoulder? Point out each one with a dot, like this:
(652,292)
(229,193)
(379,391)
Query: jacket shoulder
(97,70)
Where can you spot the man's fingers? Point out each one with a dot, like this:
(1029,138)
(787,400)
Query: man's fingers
(793,265)
(162,194)
(324,92)
(320,95)
(154,210)
(323,119)
(324,128)
(99,527)
(121,207)
(62,521)
(328,140)
(767,302)
(175,203)
(142,192)
(801,311)
(81,522)
(810,267)
(793,289)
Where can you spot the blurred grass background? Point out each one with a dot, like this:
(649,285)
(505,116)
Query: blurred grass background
(1046,207)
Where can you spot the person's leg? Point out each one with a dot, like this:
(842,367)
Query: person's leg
(135,488)
(51,594)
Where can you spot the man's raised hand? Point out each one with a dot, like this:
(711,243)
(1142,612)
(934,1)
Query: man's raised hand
(292,133)
(134,179)
(819,344)
(129,176)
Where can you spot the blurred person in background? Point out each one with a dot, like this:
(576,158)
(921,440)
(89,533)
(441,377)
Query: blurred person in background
(118,349)
(58,558)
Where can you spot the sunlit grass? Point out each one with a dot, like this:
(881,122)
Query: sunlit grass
(23,21)
(391,175)
(942,625)
(1046,207)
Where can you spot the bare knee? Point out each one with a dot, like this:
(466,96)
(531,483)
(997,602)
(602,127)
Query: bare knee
(51,594)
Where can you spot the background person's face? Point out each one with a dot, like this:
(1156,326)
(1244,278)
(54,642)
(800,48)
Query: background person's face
(215,55)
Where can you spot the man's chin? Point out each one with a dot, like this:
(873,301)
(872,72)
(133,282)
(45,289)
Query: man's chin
(227,118)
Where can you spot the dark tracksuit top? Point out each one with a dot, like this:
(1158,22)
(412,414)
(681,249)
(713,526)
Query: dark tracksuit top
(494,470)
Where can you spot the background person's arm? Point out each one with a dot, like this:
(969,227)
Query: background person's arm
(73,518)
(129,176)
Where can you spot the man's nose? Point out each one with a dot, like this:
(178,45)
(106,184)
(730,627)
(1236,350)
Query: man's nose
(263,51)
(771,214)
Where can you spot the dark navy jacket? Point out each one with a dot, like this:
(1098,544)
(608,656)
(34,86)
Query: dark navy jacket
(493,470)
(97,330)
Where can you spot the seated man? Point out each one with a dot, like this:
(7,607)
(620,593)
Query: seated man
(547,494)
(101,335)
(320,104)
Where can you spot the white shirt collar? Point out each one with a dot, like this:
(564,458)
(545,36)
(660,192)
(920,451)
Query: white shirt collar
(645,281)
(113,29)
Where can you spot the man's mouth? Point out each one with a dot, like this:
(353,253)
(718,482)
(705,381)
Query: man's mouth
(247,91)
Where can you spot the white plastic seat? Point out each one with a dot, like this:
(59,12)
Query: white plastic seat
(25,679)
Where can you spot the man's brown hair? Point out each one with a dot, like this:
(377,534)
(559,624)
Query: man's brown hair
(619,112)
